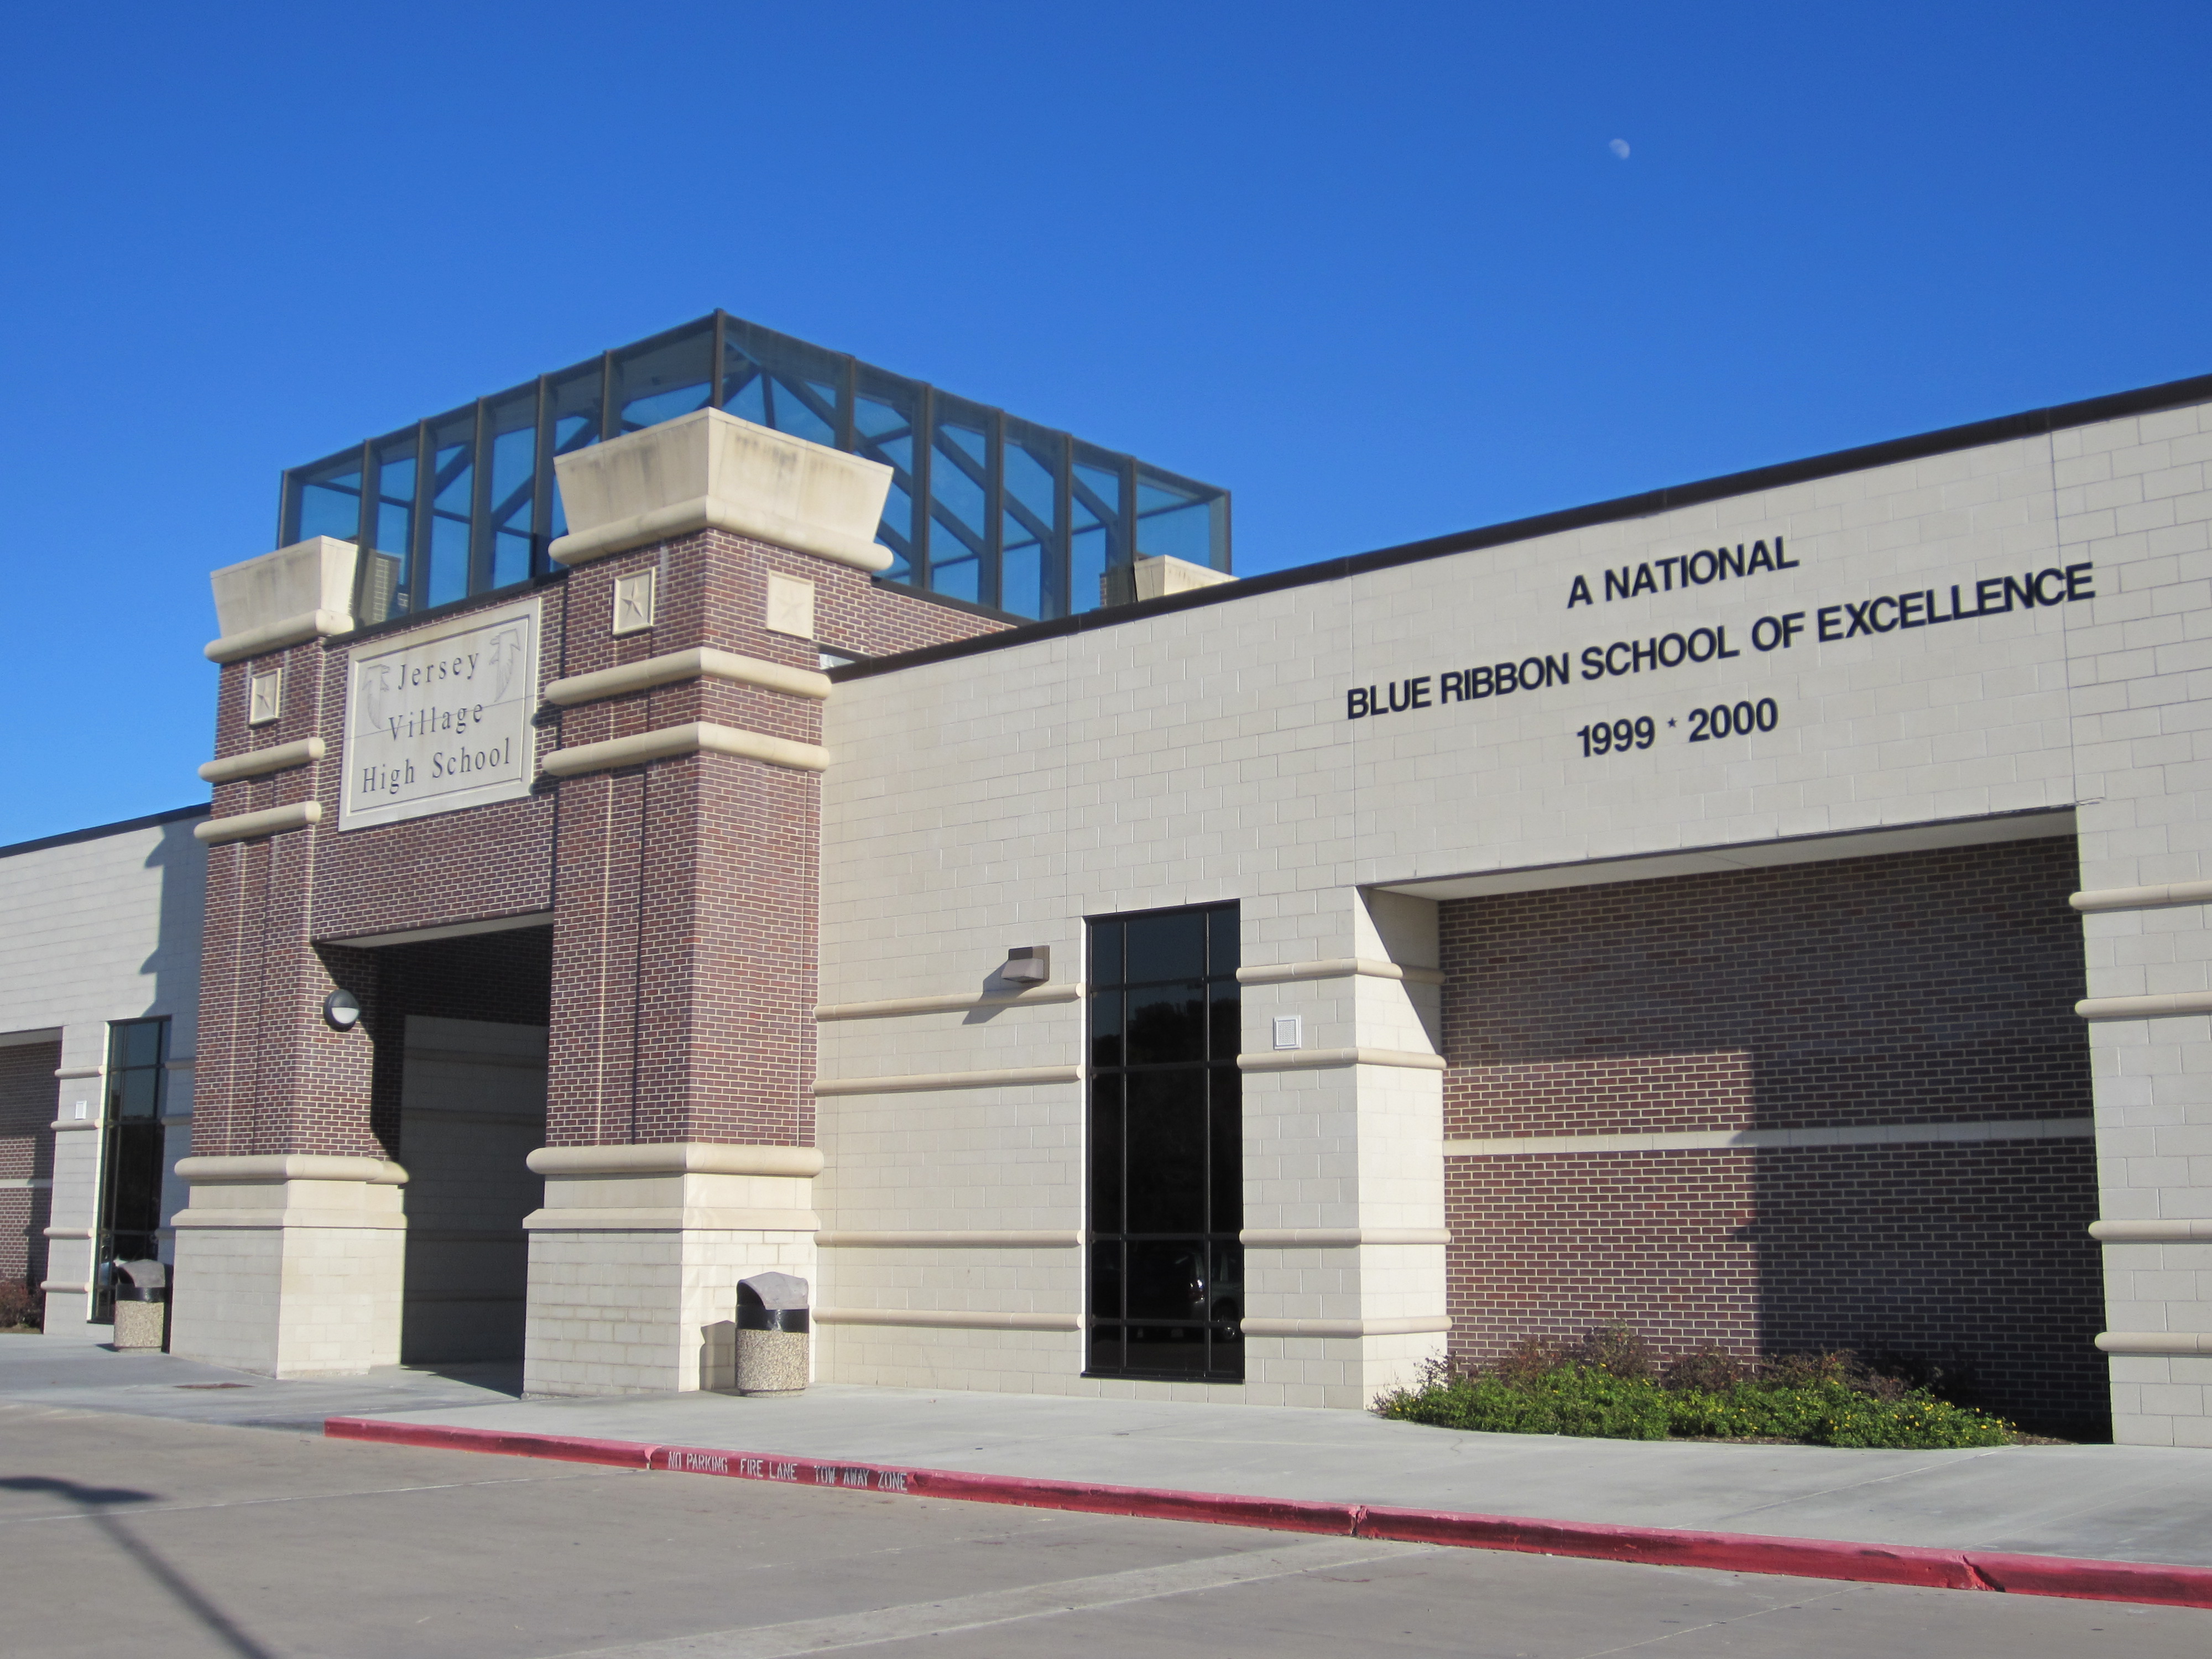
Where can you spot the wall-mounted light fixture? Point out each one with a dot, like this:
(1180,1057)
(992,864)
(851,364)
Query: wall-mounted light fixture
(1028,964)
(341,1011)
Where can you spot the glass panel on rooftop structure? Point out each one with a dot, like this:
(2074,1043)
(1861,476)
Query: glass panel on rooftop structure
(328,497)
(1030,583)
(1174,517)
(443,573)
(1098,513)
(982,507)
(960,467)
(572,409)
(884,423)
(783,384)
(664,377)
(390,527)
(511,424)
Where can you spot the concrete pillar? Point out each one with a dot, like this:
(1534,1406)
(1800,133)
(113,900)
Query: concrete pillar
(2129,503)
(635,1260)
(290,1264)
(1344,1207)
(74,1199)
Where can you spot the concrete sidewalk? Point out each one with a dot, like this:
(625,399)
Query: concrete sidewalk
(75,1374)
(2108,1503)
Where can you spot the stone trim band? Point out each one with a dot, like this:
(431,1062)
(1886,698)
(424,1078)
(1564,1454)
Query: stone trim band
(955,1003)
(677,1157)
(1419,1325)
(1283,973)
(2166,1005)
(2179,1345)
(2163,897)
(1751,1141)
(290,1166)
(272,636)
(1067,1239)
(1314,1059)
(1008,1078)
(937,1319)
(2149,1231)
(1338,1239)
(255,763)
(676,667)
(251,826)
(673,742)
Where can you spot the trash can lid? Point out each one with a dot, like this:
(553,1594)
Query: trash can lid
(774,1290)
(147,1275)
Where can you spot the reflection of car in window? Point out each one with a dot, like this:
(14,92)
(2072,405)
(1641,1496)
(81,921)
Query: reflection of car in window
(1228,1320)
(1227,1314)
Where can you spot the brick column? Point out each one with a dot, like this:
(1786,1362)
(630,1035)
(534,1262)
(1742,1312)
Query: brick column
(289,1255)
(679,1092)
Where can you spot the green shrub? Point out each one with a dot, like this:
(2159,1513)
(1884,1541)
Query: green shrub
(1569,1399)
(21,1303)
(1822,1400)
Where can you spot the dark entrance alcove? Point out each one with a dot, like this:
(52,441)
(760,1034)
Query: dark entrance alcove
(459,1099)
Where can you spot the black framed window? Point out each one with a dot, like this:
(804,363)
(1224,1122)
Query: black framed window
(1167,1140)
(131,1152)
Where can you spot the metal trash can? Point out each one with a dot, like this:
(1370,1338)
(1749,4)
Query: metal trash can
(773,1334)
(142,1305)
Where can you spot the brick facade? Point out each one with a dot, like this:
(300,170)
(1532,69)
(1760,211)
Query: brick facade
(28,1096)
(1930,987)
(682,951)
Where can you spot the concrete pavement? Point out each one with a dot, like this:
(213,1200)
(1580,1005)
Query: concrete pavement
(143,1534)
(2110,1502)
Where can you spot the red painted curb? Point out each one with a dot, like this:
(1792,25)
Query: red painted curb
(2095,1581)
(571,1448)
(1724,1552)
(1153,1502)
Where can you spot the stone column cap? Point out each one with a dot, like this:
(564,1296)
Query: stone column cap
(711,470)
(291,1166)
(298,593)
(677,1157)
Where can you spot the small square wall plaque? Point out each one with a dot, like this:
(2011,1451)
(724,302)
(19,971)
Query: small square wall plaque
(1289,1031)
(264,697)
(790,606)
(636,597)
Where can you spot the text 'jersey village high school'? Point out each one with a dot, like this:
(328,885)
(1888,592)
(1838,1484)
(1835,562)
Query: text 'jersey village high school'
(847,830)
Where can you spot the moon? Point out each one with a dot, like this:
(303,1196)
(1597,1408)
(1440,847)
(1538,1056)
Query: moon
(1620,148)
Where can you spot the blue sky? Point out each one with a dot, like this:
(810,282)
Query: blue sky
(1377,268)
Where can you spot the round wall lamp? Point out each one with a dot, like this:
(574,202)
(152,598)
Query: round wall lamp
(341,1011)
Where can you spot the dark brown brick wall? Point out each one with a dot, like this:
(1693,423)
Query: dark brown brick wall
(684,953)
(681,958)
(1919,988)
(1931,984)
(28,1097)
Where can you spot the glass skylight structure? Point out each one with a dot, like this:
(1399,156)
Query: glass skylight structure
(984,508)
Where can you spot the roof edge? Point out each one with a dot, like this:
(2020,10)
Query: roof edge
(1975,434)
(97,831)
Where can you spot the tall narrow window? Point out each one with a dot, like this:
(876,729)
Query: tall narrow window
(131,1162)
(1167,1169)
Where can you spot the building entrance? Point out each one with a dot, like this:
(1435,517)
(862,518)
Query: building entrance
(460,1087)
